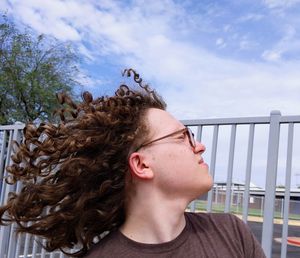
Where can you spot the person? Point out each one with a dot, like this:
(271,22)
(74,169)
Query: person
(114,178)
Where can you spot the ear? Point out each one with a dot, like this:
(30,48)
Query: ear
(139,166)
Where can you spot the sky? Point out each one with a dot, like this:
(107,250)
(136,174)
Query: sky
(208,59)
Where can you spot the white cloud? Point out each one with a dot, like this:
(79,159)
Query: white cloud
(271,55)
(220,43)
(281,3)
(4,6)
(47,17)
(90,84)
(226,28)
(89,57)
(251,17)
(247,44)
(287,44)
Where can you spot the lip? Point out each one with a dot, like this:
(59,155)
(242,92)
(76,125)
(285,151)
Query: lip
(202,163)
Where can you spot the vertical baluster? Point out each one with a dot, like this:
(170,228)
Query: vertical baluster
(230,169)
(248,172)
(213,164)
(198,138)
(287,190)
(34,247)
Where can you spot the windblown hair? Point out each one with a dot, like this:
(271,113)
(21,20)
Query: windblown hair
(73,174)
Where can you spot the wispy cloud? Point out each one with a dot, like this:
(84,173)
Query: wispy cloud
(220,43)
(281,3)
(251,17)
(289,43)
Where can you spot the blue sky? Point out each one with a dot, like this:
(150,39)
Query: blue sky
(206,58)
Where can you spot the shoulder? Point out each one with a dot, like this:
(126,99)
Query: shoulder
(226,221)
(214,223)
(226,226)
(215,218)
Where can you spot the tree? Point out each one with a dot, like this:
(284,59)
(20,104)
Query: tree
(32,70)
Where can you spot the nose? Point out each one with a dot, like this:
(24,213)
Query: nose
(199,148)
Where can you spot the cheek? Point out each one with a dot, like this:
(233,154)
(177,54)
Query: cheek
(175,166)
(176,163)
(178,155)
(170,162)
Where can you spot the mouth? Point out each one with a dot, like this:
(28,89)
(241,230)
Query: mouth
(202,163)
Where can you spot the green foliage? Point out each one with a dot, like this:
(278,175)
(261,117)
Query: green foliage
(32,70)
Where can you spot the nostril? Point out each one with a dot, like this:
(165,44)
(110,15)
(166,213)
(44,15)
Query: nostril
(203,149)
(199,148)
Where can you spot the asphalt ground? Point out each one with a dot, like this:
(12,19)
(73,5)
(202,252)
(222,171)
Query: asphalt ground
(293,231)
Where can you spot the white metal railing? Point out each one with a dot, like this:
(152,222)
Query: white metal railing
(274,122)
(209,131)
(12,245)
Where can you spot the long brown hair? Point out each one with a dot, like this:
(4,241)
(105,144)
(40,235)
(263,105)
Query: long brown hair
(73,173)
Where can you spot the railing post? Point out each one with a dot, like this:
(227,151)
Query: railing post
(270,189)
(212,165)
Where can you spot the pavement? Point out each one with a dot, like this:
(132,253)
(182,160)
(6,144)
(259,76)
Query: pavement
(293,240)
(293,248)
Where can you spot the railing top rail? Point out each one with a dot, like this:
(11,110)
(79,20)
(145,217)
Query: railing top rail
(228,121)
(12,127)
(290,119)
(239,120)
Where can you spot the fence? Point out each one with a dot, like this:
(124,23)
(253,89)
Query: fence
(273,124)
(209,132)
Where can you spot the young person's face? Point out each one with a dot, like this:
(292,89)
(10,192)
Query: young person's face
(179,169)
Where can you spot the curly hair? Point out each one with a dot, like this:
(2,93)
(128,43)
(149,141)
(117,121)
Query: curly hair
(73,173)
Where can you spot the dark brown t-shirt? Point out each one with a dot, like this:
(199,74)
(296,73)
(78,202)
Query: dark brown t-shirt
(205,235)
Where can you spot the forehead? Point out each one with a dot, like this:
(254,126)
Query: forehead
(161,122)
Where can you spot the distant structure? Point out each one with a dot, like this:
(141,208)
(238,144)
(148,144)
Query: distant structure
(256,198)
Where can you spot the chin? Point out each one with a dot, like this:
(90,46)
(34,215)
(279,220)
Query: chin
(204,188)
(211,184)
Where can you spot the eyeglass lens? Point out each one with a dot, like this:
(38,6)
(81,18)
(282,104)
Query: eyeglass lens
(191,137)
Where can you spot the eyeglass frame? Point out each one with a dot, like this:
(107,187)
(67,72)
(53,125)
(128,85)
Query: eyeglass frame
(185,130)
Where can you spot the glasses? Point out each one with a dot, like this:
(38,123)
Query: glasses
(187,131)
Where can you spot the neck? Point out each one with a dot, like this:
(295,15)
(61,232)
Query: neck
(154,220)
